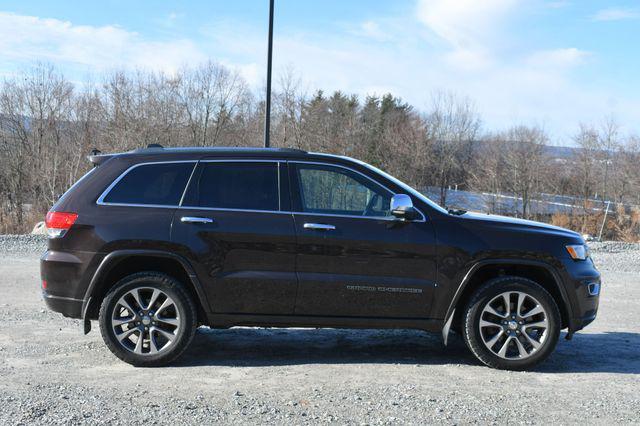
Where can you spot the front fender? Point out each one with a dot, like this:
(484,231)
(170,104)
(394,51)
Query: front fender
(453,304)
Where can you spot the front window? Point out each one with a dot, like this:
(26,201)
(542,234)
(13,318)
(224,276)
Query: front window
(326,189)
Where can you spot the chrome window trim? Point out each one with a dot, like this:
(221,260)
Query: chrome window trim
(222,209)
(320,163)
(104,194)
(101,201)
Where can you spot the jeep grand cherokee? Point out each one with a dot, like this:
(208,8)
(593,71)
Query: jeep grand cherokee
(156,242)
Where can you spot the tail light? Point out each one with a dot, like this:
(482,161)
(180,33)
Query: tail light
(58,223)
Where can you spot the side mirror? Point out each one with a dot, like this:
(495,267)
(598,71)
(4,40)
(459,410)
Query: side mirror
(402,207)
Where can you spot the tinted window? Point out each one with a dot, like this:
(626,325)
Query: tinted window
(159,184)
(332,190)
(230,185)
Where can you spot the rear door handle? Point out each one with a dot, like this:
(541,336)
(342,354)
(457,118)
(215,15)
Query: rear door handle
(319,226)
(192,219)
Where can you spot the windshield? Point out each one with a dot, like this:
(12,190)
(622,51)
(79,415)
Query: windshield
(403,185)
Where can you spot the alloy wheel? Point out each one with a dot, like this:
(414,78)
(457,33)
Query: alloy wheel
(145,321)
(514,325)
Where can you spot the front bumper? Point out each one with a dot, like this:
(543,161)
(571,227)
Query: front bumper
(583,284)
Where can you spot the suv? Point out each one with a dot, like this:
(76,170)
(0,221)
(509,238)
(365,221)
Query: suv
(155,242)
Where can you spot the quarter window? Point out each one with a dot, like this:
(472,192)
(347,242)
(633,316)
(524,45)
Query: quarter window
(151,184)
(333,190)
(235,185)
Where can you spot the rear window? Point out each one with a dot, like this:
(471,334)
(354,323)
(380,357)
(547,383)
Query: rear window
(151,184)
(231,185)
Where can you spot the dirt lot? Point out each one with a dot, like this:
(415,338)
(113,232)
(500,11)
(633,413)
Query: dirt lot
(51,373)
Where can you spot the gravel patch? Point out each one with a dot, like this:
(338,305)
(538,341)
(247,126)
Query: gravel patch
(27,244)
(52,374)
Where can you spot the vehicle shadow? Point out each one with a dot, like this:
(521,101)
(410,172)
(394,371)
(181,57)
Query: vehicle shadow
(610,352)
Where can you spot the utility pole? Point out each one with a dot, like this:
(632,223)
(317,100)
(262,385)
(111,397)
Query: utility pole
(267,118)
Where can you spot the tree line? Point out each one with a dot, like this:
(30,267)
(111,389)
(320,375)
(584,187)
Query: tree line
(49,124)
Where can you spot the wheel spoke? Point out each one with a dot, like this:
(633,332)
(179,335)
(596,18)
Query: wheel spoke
(521,297)
(534,311)
(506,298)
(522,352)
(126,334)
(122,321)
(538,324)
(138,348)
(168,302)
(505,345)
(492,311)
(153,347)
(536,344)
(166,334)
(494,339)
(127,306)
(484,323)
(136,295)
(154,298)
(170,321)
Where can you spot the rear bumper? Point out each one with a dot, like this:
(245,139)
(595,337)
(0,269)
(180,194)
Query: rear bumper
(67,275)
(67,306)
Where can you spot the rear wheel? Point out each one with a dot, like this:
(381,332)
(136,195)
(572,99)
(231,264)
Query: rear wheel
(511,323)
(147,319)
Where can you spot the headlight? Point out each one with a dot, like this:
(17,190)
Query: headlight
(578,252)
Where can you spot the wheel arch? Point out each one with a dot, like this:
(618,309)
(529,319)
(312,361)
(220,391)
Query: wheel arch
(120,263)
(538,271)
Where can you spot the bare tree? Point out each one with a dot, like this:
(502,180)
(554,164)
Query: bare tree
(452,124)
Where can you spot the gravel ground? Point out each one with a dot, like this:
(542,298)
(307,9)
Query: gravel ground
(50,373)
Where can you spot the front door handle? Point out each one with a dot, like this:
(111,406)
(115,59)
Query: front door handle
(191,219)
(319,226)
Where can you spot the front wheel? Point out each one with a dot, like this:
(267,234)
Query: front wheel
(511,323)
(147,319)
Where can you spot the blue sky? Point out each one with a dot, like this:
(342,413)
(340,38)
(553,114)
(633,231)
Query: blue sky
(551,63)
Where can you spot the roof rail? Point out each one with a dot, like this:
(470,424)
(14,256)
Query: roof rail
(154,145)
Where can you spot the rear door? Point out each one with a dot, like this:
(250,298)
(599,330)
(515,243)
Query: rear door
(354,258)
(235,225)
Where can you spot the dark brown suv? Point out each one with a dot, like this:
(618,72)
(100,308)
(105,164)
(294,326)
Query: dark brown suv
(155,242)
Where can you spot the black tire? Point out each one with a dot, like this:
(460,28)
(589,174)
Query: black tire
(184,308)
(484,295)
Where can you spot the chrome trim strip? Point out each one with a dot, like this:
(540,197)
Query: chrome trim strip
(186,187)
(101,198)
(222,209)
(319,163)
(385,218)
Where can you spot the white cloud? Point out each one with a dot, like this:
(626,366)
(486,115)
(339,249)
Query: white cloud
(615,14)
(24,39)
(465,24)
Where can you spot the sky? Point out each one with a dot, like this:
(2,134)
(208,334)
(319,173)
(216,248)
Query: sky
(550,63)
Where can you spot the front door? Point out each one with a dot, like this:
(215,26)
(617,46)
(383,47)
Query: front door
(235,228)
(354,258)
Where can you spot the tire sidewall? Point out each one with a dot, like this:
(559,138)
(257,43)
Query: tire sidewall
(490,290)
(183,304)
